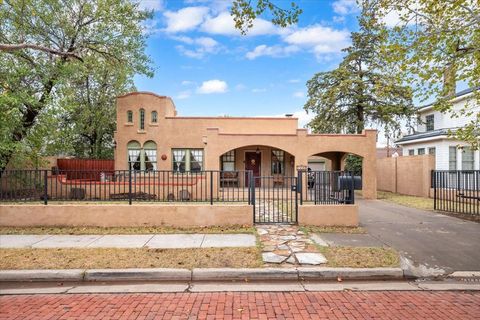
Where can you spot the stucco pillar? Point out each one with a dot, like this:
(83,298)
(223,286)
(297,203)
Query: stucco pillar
(369,166)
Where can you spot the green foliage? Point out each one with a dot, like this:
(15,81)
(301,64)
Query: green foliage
(353,163)
(48,50)
(244,13)
(436,44)
(363,89)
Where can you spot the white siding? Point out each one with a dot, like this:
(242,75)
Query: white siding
(445,120)
(442,153)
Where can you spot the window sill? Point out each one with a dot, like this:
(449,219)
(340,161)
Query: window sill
(128,124)
(153,124)
(141,131)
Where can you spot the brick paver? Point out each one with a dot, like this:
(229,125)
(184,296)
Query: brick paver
(236,305)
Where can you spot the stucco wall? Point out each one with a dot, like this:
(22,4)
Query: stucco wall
(328,215)
(217,135)
(119,215)
(406,175)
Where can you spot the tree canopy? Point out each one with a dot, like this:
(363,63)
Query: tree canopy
(437,45)
(54,51)
(363,89)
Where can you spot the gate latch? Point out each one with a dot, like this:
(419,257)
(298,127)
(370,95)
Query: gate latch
(294,187)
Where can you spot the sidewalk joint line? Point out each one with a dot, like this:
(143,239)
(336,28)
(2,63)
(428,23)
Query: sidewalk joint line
(150,239)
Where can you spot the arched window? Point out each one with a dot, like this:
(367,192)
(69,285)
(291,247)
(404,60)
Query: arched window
(142,119)
(154,117)
(150,149)
(129,116)
(134,158)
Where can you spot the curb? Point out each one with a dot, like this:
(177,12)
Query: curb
(210,274)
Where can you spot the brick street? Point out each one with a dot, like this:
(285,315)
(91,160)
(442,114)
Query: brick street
(248,305)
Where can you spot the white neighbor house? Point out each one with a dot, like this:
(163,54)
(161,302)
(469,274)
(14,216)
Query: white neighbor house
(431,136)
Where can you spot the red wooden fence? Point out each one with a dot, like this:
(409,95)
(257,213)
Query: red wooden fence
(77,168)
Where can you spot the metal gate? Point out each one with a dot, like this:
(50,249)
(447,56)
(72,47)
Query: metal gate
(275,199)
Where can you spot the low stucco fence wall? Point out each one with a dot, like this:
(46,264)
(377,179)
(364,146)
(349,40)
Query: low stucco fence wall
(409,175)
(176,215)
(124,215)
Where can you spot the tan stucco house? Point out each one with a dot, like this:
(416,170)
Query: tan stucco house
(151,136)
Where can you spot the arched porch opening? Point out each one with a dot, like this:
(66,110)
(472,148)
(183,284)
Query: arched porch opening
(339,164)
(261,160)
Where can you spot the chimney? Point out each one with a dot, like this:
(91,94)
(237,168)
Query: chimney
(289,115)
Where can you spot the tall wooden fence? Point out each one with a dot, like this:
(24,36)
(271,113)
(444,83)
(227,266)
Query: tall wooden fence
(87,169)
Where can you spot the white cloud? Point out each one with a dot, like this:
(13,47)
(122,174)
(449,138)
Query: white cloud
(223,24)
(213,86)
(259,90)
(184,94)
(200,46)
(187,83)
(345,7)
(319,39)
(156,5)
(391,19)
(274,51)
(185,19)
(298,94)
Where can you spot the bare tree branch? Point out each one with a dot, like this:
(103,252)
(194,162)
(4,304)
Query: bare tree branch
(16,47)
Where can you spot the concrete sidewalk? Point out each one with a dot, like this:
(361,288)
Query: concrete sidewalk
(164,241)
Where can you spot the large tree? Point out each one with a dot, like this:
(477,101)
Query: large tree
(363,89)
(437,44)
(44,43)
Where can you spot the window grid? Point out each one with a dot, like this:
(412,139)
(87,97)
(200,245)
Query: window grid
(187,160)
(129,116)
(150,159)
(142,119)
(154,116)
(432,150)
(411,152)
(421,151)
(278,157)
(430,122)
(467,159)
(452,158)
(134,159)
(228,161)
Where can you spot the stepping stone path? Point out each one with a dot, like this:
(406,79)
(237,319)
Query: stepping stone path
(286,245)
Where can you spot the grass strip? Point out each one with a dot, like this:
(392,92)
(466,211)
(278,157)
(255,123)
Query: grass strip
(126,230)
(360,257)
(333,229)
(115,258)
(404,200)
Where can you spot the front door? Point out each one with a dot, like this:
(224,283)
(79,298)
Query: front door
(252,162)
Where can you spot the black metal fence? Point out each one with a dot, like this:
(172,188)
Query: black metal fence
(124,185)
(456,191)
(328,187)
(313,187)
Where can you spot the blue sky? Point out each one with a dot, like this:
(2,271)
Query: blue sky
(208,68)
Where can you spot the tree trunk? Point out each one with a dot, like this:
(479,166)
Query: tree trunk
(360,118)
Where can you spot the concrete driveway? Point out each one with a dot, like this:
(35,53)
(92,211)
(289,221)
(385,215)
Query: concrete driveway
(430,243)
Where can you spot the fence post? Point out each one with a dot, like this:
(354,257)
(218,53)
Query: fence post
(129,185)
(249,189)
(353,187)
(434,185)
(211,188)
(300,185)
(45,187)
